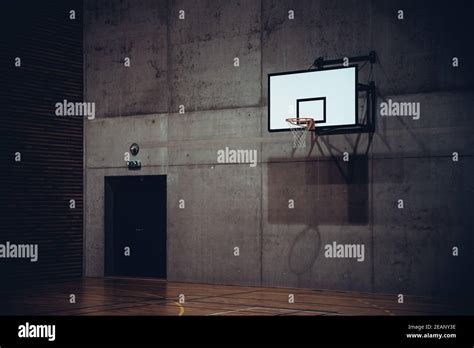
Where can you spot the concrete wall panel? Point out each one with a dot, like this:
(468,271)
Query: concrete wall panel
(134,29)
(202,51)
(222,211)
(109,139)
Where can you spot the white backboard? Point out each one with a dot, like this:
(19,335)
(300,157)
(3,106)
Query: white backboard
(328,95)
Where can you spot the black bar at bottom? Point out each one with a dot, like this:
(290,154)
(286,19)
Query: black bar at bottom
(260,330)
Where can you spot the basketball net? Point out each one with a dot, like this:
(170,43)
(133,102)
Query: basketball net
(300,127)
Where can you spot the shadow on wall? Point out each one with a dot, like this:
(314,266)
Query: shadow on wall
(324,191)
(304,251)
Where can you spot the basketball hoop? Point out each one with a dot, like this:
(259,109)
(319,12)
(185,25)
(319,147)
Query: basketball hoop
(300,126)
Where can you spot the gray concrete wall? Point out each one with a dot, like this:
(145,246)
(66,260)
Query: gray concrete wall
(190,62)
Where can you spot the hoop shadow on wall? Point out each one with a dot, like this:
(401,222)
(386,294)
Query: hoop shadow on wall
(325,191)
(304,251)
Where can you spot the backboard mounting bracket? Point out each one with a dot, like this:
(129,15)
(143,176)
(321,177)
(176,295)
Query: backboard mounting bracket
(320,62)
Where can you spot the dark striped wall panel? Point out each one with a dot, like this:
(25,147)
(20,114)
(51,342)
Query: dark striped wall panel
(35,193)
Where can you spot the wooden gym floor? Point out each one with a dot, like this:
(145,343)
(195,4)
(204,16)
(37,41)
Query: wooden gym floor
(131,296)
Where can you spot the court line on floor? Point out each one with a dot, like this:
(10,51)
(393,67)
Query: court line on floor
(350,305)
(234,311)
(181,308)
(103,308)
(165,300)
(268,307)
(376,306)
(139,302)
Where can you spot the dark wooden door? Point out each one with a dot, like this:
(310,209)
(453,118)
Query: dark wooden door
(136,226)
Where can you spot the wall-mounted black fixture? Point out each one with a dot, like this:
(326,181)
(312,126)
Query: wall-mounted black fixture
(134,149)
(134,165)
